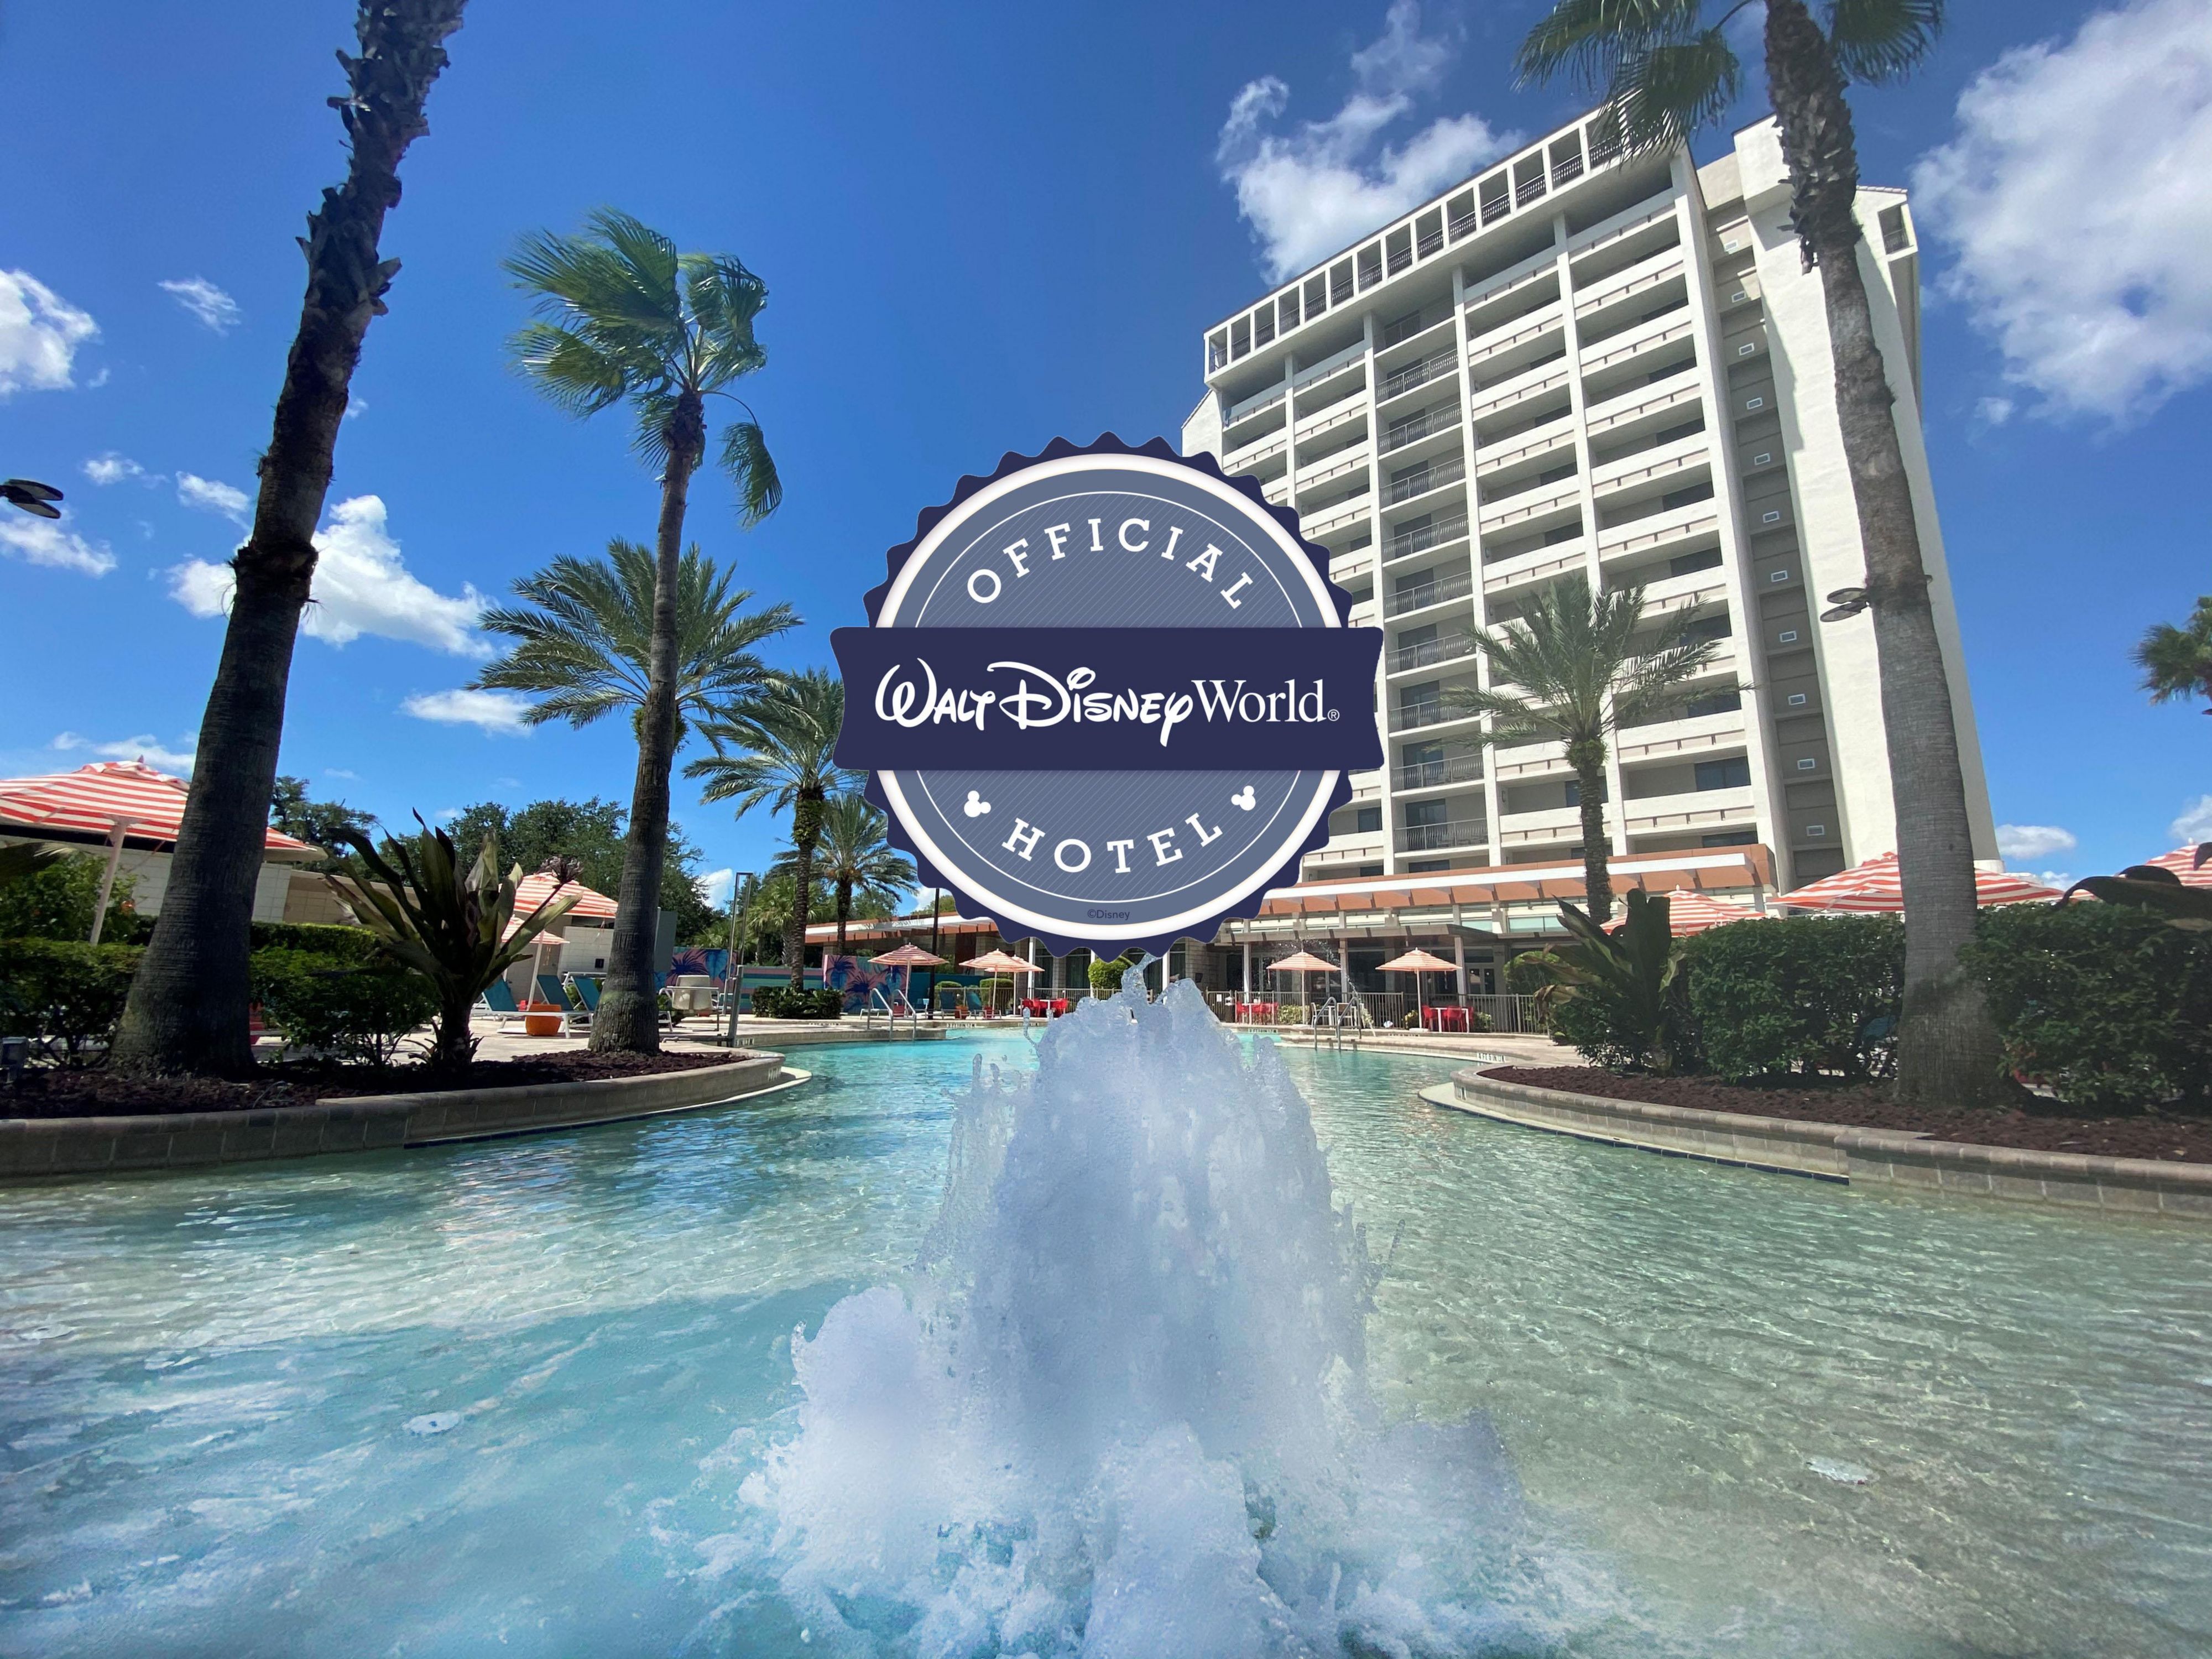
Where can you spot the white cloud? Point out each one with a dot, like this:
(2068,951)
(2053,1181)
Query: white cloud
(2027,841)
(205,302)
(112,468)
(716,886)
(340,772)
(212,495)
(2195,824)
(1308,192)
(363,585)
(446,814)
(145,746)
(497,713)
(44,541)
(2072,196)
(1994,412)
(356,406)
(40,333)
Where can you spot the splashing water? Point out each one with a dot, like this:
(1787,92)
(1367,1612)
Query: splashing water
(1122,1409)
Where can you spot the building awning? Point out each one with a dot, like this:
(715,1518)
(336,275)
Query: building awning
(898,927)
(1722,869)
(88,804)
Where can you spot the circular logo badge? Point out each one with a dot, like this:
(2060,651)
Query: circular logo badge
(1109,696)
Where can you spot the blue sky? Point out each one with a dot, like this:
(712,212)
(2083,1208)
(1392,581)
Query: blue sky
(980,227)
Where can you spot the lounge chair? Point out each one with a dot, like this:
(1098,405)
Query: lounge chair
(499,997)
(573,1018)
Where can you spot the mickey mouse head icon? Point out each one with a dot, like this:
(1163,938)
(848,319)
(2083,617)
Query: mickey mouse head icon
(977,805)
(1244,798)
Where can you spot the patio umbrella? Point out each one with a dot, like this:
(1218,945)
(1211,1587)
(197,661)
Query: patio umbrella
(1417,963)
(2183,862)
(1873,887)
(117,799)
(1689,912)
(907,958)
(999,961)
(1302,963)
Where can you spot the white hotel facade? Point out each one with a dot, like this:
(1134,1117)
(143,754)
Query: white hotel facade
(1579,362)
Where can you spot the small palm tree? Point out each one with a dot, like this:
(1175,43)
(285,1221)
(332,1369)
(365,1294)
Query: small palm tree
(587,638)
(777,749)
(625,317)
(1573,669)
(856,858)
(1665,71)
(2177,662)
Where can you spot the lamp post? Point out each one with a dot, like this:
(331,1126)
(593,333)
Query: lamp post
(733,977)
(930,993)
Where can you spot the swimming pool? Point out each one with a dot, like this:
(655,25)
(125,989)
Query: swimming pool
(507,1396)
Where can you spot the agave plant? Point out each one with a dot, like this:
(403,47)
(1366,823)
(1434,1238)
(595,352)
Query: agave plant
(2160,891)
(448,923)
(1620,996)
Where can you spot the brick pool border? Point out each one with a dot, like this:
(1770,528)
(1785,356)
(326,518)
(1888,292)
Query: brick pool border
(364,1123)
(1842,1152)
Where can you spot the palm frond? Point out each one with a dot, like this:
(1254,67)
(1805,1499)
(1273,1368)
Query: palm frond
(1586,39)
(567,368)
(1879,41)
(746,460)
(776,746)
(1660,93)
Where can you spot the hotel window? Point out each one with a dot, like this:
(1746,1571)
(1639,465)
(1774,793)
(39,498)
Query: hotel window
(1733,773)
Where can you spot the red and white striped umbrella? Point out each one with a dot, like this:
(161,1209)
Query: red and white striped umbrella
(536,889)
(94,799)
(1689,912)
(1875,887)
(2182,861)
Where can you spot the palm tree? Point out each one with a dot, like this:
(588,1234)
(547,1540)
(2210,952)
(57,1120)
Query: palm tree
(624,317)
(1573,669)
(188,1002)
(777,748)
(1664,72)
(587,638)
(2177,662)
(857,860)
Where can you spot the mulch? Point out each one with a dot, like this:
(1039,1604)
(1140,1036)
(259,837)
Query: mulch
(48,1092)
(2174,1139)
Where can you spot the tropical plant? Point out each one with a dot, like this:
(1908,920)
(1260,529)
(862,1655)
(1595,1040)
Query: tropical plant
(53,895)
(624,317)
(589,833)
(779,749)
(2155,890)
(1664,71)
(1619,997)
(20,860)
(447,922)
(2177,662)
(587,638)
(856,858)
(187,1010)
(1575,668)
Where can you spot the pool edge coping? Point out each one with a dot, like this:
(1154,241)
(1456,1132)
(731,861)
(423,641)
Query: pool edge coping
(1841,1151)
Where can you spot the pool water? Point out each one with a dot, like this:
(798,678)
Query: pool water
(508,1397)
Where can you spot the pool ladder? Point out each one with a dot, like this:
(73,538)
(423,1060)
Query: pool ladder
(1339,1016)
(878,1002)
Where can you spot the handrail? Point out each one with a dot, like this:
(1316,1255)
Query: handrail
(876,999)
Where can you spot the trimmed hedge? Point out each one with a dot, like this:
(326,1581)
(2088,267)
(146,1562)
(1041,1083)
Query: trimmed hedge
(782,1002)
(322,939)
(347,1011)
(68,996)
(2109,1006)
(1798,994)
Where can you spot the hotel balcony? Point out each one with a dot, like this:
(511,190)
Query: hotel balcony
(1456,769)
(1701,810)
(1443,837)
(1440,589)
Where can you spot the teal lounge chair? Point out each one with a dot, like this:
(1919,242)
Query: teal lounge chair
(573,1018)
(499,997)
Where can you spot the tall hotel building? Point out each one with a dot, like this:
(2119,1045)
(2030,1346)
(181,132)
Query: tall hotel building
(1579,362)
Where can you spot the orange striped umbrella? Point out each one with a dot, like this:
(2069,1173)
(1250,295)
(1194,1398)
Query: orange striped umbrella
(534,891)
(1875,887)
(2182,861)
(1689,912)
(96,799)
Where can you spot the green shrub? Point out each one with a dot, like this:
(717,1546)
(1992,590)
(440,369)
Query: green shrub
(1106,976)
(782,1002)
(1797,993)
(67,996)
(2107,1004)
(350,1011)
(1530,972)
(319,939)
(57,902)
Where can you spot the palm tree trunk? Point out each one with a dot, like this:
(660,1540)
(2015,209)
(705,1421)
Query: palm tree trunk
(844,911)
(187,1007)
(453,1048)
(1947,1048)
(629,1016)
(805,831)
(1587,756)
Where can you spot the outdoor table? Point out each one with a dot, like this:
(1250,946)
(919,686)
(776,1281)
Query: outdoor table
(1444,1019)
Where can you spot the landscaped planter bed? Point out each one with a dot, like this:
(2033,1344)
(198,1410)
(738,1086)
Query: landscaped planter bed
(2170,1139)
(50,1093)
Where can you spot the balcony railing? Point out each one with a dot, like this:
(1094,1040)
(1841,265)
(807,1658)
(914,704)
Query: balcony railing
(1425,425)
(1430,651)
(1453,585)
(1429,711)
(1465,768)
(1429,368)
(1450,469)
(1435,837)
